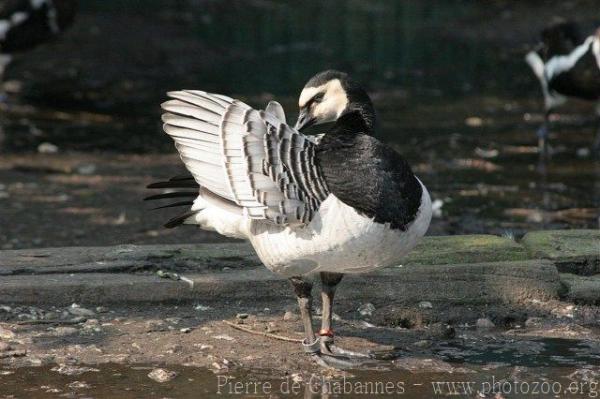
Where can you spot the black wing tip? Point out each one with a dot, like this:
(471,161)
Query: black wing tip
(177,194)
(179,220)
(175,204)
(180,183)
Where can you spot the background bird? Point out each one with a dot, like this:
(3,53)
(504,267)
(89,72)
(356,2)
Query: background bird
(343,203)
(567,67)
(24,24)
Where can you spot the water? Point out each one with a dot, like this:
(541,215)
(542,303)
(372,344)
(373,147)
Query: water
(451,89)
(550,366)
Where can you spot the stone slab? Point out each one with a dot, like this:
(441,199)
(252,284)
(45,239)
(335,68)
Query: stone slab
(573,251)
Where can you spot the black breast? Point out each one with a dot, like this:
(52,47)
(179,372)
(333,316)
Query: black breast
(581,81)
(369,176)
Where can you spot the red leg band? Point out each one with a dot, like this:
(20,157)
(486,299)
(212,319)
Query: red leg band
(326,333)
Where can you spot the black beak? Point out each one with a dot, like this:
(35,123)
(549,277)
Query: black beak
(304,120)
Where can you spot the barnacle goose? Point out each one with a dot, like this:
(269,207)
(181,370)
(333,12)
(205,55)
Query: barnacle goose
(345,203)
(566,66)
(26,23)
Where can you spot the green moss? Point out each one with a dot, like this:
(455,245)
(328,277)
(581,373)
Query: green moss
(563,244)
(444,250)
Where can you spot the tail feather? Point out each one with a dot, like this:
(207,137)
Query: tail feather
(177,182)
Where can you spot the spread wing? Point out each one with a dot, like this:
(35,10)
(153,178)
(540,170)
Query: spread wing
(250,157)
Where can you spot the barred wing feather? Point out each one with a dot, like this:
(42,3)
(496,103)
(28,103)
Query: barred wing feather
(250,157)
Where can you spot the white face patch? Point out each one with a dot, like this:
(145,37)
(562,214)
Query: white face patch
(333,104)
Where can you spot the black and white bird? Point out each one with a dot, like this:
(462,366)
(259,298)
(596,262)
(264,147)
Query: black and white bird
(344,203)
(26,23)
(567,67)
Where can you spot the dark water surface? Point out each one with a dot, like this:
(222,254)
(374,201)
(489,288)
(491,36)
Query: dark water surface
(549,368)
(448,79)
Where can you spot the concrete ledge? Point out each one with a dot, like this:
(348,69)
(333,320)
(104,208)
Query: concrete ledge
(582,290)
(474,283)
(572,251)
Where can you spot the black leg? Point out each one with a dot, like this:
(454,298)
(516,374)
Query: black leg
(596,145)
(542,135)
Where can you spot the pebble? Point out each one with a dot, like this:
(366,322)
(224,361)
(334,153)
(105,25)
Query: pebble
(185,330)
(79,311)
(425,305)
(79,385)
(6,333)
(67,369)
(484,324)
(101,309)
(366,309)
(242,316)
(202,308)
(86,169)
(47,148)
(224,337)
(290,316)
(162,375)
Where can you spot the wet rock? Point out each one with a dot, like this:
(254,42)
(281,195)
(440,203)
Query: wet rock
(484,324)
(366,309)
(68,369)
(155,326)
(424,343)
(403,317)
(534,322)
(13,353)
(290,316)
(6,333)
(441,331)
(425,305)
(64,331)
(162,375)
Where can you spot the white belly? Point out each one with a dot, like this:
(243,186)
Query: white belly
(338,239)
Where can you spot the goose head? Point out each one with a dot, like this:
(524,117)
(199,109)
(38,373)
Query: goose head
(330,94)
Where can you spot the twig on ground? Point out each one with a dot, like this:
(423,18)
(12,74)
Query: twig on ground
(264,334)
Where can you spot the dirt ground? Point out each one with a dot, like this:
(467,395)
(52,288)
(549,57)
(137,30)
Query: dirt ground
(205,335)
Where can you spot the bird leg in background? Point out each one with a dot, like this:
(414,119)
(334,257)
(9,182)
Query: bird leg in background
(329,282)
(542,134)
(303,291)
(596,144)
(4,61)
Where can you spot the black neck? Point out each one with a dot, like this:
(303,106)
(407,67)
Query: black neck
(353,122)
